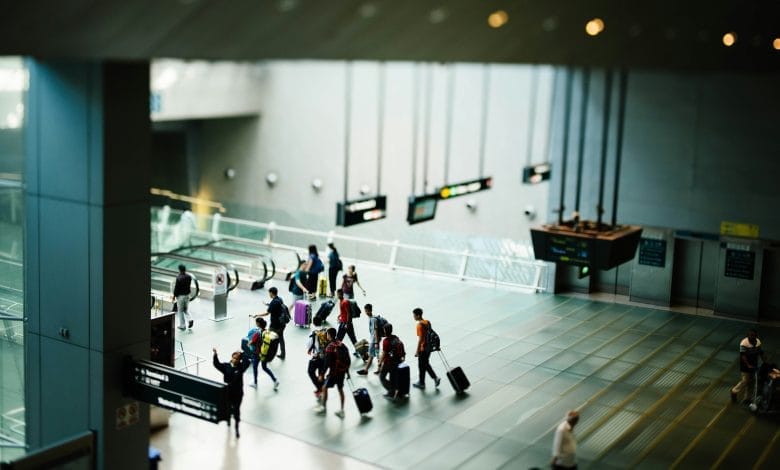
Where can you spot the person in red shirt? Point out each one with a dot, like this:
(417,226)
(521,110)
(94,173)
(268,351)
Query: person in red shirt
(345,321)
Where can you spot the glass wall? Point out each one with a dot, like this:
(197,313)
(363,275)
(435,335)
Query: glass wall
(13,88)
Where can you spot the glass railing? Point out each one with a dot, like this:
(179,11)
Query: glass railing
(515,269)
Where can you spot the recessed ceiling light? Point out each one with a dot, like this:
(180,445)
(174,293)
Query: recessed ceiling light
(438,15)
(594,26)
(776,44)
(498,19)
(729,39)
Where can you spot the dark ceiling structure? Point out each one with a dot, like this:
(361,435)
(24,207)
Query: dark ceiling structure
(669,34)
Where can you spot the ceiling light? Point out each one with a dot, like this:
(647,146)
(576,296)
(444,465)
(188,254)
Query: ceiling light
(594,26)
(776,44)
(316,184)
(498,19)
(271,178)
(729,39)
(437,15)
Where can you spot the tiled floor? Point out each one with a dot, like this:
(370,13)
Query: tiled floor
(651,386)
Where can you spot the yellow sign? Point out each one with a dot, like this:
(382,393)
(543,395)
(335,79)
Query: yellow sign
(739,230)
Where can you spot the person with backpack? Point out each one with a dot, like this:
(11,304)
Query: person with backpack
(393,354)
(345,320)
(314,267)
(376,328)
(349,281)
(249,345)
(280,316)
(233,376)
(315,348)
(337,362)
(334,267)
(424,349)
(262,342)
(297,283)
(181,293)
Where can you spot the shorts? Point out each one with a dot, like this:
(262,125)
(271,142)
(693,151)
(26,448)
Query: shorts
(334,379)
(373,349)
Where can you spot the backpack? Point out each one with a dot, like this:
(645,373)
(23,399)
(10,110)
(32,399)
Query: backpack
(432,340)
(339,265)
(292,285)
(343,358)
(396,351)
(380,325)
(354,309)
(284,315)
(268,346)
(320,342)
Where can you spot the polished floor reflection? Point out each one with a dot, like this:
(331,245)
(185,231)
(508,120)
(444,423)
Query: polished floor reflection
(652,387)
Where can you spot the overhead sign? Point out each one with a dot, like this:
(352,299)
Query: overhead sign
(421,208)
(359,211)
(536,173)
(462,189)
(175,390)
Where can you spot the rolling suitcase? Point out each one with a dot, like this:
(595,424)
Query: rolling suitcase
(325,310)
(302,315)
(362,398)
(456,376)
(403,376)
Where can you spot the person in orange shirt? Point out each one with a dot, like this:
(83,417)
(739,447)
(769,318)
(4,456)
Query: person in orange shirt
(423,353)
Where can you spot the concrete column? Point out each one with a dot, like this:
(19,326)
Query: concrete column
(86,252)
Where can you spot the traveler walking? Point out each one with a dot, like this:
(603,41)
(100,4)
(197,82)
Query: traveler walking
(334,267)
(749,353)
(393,354)
(264,351)
(564,445)
(423,352)
(276,309)
(315,348)
(349,281)
(376,326)
(233,376)
(313,267)
(345,320)
(337,364)
(181,293)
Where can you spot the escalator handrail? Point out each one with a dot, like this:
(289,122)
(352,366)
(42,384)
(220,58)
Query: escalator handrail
(262,257)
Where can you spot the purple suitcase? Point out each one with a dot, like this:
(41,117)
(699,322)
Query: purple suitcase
(302,314)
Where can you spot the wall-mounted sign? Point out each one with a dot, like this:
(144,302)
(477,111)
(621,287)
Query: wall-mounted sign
(737,229)
(536,173)
(358,211)
(462,189)
(421,208)
(175,390)
(652,252)
(740,264)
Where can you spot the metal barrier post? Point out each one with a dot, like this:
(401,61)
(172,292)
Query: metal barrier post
(464,264)
(393,255)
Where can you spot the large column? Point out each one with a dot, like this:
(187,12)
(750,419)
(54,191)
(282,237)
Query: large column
(86,252)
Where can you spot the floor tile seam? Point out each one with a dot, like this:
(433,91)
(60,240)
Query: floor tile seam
(767,449)
(666,396)
(552,308)
(391,425)
(428,450)
(473,457)
(639,388)
(565,317)
(494,411)
(678,419)
(472,454)
(733,442)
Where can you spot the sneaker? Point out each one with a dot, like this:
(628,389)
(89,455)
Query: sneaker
(437,380)
(181,327)
(419,385)
(733,397)
(189,325)
(280,356)
(276,384)
(340,414)
(356,354)
(389,396)
(253,385)
(320,410)
(362,372)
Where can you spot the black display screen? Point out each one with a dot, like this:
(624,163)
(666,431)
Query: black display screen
(740,264)
(570,250)
(421,208)
(652,252)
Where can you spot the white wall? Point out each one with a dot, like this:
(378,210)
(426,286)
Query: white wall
(301,135)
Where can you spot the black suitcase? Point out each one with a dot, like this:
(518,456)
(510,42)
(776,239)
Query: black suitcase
(362,398)
(404,378)
(324,310)
(456,376)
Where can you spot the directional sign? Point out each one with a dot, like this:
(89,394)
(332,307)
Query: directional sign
(358,211)
(462,189)
(175,390)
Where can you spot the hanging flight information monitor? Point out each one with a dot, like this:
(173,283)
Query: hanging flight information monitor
(536,173)
(358,211)
(421,208)
(461,189)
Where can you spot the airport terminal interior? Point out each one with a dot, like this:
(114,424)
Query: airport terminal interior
(579,197)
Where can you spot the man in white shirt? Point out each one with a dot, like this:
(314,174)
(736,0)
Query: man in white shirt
(564,445)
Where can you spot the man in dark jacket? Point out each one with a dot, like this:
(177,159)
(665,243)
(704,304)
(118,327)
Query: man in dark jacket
(233,376)
(277,325)
(181,293)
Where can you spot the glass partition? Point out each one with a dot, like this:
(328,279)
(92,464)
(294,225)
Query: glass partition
(13,87)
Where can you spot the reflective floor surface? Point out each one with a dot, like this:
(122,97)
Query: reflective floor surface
(652,387)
